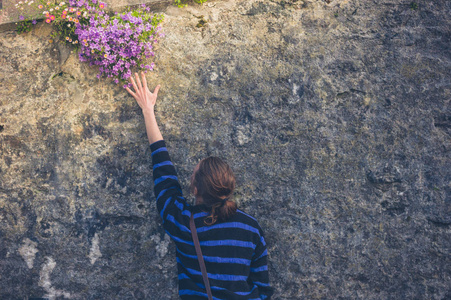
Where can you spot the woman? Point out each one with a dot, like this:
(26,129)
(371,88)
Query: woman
(232,242)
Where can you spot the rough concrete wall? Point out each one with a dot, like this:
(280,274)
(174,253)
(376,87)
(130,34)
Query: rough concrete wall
(334,115)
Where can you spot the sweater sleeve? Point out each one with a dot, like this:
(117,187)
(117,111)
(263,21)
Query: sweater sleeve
(259,270)
(170,202)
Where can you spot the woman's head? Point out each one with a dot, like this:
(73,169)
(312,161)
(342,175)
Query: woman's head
(213,183)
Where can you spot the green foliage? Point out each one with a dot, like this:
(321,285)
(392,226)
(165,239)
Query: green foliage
(184,3)
(414,5)
(180,3)
(64,31)
(154,19)
(200,1)
(24,26)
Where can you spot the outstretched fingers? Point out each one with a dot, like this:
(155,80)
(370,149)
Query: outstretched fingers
(156,90)
(134,85)
(138,81)
(144,80)
(130,91)
(141,91)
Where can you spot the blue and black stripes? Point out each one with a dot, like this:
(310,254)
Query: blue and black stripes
(234,251)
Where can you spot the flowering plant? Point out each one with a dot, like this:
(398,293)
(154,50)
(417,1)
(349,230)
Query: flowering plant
(119,42)
(115,42)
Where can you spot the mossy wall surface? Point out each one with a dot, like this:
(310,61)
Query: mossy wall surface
(335,116)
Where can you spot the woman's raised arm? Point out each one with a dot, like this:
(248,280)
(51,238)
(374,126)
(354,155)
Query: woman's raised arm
(166,185)
(146,100)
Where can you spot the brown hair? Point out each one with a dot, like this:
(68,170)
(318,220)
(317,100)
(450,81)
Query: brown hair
(215,182)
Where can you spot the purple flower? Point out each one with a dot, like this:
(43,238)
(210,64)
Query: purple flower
(21,18)
(116,42)
(34,22)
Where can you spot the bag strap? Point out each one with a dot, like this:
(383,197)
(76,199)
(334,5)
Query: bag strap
(200,258)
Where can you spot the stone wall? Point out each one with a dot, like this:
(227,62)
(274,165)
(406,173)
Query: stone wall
(335,116)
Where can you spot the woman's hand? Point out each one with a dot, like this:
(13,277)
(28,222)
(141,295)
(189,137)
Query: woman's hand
(146,100)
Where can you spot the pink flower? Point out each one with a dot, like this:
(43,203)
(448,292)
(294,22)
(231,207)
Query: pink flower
(48,21)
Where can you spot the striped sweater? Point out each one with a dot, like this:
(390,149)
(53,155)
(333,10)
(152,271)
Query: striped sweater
(234,250)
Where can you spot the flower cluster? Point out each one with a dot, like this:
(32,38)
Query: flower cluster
(114,42)
(65,17)
(120,42)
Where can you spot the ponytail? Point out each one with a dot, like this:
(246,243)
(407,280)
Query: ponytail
(221,211)
(215,183)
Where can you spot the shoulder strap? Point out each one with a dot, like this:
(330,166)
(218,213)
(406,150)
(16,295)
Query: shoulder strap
(199,256)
